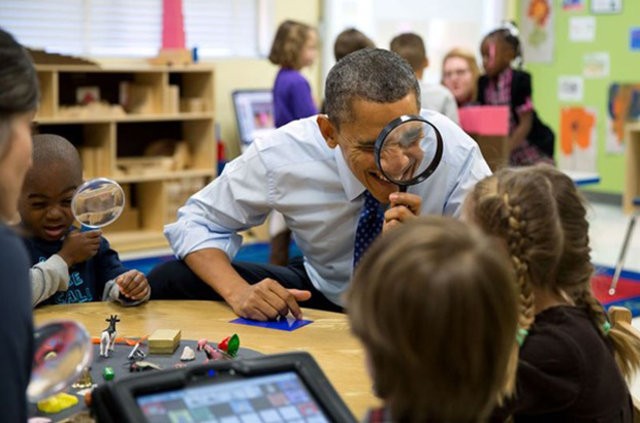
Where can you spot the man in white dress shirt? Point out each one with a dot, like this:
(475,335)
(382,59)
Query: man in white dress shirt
(315,172)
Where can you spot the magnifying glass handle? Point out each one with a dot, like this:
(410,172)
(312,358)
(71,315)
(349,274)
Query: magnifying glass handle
(84,228)
(403,188)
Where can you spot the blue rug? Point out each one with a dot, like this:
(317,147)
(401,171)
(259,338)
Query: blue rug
(256,252)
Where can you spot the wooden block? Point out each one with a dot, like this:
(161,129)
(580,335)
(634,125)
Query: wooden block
(172,100)
(140,99)
(164,341)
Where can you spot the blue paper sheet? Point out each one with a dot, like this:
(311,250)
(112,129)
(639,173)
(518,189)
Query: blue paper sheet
(284,323)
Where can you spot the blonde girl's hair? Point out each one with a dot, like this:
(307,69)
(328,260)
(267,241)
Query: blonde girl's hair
(519,208)
(435,300)
(470,58)
(575,269)
(288,44)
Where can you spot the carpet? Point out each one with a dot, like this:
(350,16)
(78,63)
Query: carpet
(627,291)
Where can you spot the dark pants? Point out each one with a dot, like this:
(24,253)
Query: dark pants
(174,280)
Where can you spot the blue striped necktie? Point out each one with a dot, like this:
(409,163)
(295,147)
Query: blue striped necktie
(369,226)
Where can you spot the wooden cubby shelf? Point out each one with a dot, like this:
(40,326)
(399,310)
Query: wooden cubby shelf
(150,128)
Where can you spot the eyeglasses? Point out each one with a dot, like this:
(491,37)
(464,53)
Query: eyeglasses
(455,72)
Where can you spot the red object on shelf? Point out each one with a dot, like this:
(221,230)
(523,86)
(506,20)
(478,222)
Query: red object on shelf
(172,25)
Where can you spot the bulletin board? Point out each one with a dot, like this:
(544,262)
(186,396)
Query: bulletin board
(597,50)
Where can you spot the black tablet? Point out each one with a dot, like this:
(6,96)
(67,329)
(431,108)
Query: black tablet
(274,388)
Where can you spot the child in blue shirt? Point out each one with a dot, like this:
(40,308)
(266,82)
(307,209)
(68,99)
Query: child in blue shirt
(68,266)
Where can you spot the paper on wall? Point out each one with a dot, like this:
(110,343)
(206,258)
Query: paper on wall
(596,65)
(582,28)
(570,88)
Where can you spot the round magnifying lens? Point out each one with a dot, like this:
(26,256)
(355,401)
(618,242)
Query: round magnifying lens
(408,150)
(97,203)
(62,350)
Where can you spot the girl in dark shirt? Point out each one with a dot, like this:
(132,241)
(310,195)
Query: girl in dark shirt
(567,367)
(19,96)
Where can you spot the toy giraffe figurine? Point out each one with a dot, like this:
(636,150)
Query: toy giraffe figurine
(108,337)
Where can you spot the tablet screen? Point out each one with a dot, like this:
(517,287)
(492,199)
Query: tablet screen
(270,398)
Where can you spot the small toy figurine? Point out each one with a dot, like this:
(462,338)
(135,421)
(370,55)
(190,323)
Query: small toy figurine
(201,343)
(187,354)
(136,353)
(230,345)
(108,337)
(85,380)
(108,373)
(212,353)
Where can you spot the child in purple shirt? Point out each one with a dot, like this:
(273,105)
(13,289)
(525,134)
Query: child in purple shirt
(294,47)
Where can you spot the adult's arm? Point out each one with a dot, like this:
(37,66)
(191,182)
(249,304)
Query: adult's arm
(206,237)
(262,301)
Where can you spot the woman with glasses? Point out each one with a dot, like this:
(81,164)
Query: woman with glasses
(460,74)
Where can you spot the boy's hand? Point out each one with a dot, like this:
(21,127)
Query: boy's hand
(79,246)
(133,284)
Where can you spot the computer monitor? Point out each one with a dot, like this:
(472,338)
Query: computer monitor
(284,387)
(254,114)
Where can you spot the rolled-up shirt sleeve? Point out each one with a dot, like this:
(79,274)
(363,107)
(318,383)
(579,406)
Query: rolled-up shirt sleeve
(235,201)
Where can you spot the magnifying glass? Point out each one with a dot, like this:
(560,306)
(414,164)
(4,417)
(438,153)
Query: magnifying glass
(97,203)
(408,150)
(52,373)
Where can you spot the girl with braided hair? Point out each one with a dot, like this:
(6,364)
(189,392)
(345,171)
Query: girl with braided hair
(566,370)
(575,268)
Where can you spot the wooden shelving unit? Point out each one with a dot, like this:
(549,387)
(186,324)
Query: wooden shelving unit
(168,105)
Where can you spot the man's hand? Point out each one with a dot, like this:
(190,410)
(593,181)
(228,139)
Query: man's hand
(79,246)
(133,284)
(402,207)
(267,300)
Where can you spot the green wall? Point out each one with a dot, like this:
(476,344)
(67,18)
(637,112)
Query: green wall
(612,35)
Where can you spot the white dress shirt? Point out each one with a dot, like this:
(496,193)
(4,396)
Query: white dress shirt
(294,172)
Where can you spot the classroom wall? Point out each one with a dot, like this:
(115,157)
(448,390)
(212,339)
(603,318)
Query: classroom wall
(235,74)
(611,35)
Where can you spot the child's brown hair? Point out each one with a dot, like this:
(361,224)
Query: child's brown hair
(288,43)
(350,40)
(519,207)
(575,269)
(435,305)
(411,48)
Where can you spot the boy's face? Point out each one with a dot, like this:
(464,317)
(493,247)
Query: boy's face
(357,139)
(45,203)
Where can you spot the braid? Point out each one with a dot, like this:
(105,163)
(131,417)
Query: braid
(575,269)
(626,344)
(516,241)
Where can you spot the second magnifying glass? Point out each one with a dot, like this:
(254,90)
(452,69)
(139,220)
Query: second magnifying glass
(408,150)
(97,203)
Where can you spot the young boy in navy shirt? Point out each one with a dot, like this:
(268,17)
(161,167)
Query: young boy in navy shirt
(68,266)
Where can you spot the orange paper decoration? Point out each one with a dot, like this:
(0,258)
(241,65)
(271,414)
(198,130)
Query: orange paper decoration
(576,126)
